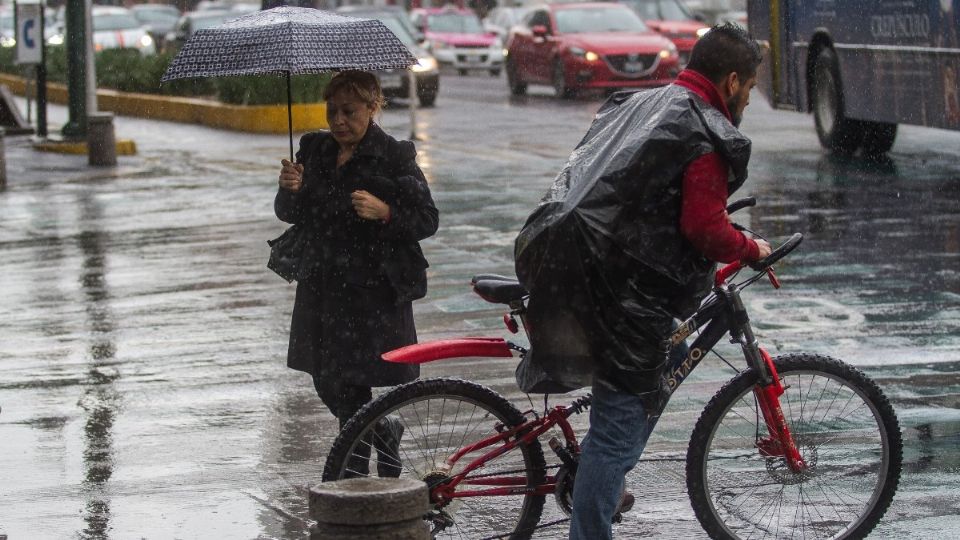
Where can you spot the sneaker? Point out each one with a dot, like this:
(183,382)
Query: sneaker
(388,433)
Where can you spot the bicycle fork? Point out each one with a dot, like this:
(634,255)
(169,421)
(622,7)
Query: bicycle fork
(779,442)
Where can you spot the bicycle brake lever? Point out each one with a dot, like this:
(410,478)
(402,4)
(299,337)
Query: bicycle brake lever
(773,278)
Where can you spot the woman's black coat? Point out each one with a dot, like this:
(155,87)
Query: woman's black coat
(357,277)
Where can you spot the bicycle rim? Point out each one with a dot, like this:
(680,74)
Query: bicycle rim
(439,417)
(839,426)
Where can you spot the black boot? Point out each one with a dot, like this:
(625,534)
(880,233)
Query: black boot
(388,432)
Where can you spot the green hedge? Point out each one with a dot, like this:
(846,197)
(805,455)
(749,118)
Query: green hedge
(127,70)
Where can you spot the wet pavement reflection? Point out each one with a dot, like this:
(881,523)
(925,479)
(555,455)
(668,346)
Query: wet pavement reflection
(142,340)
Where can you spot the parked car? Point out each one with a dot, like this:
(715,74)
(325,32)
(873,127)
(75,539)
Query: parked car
(117,28)
(587,45)
(456,38)
(192,21)
(378,12)
(672,19)
(501,19)
(395,82)
(8,34)
(160,19)
(114,28)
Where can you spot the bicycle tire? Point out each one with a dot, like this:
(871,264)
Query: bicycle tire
(424,443)
(724,511)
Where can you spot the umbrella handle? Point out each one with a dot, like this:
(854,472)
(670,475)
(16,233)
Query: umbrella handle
(289,116)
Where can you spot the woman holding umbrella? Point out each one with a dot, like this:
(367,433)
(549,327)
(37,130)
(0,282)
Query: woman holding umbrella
(364,205)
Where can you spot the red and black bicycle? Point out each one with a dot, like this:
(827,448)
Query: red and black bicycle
(796,446)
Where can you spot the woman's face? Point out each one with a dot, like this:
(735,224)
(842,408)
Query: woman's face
(348,117)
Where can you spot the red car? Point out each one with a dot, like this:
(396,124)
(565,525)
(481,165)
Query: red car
(672,19)
(588,45)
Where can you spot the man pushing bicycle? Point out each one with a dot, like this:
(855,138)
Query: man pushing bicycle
(626,242)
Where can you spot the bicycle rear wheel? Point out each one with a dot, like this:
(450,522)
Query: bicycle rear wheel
(846,431)
(413,429)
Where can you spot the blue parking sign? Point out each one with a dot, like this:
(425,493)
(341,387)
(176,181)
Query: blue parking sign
(29,32)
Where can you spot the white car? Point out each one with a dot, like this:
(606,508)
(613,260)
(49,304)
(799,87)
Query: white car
(116,28)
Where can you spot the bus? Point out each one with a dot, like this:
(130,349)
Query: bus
(861,66)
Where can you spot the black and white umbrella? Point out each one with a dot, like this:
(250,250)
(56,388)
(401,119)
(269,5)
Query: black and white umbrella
(289,41)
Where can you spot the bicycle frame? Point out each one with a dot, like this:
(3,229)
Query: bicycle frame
(509,439)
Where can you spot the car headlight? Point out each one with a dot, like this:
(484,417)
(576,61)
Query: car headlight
(702,32)
(56,39)
(8,42)
(589,56)
(427,63)
(146,41)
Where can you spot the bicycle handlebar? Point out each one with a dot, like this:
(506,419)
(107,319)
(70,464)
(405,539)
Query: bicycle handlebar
(777,254)
(782,251)
(740,204)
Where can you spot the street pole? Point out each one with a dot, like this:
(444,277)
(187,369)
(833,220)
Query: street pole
(76,48)
(89,66)
(41,74)
(412,94)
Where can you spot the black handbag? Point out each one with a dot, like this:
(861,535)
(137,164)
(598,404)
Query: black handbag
(286,251)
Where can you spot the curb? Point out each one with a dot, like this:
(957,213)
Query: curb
(125,147)
(248,118)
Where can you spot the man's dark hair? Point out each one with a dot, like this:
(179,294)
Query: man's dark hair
(724,49)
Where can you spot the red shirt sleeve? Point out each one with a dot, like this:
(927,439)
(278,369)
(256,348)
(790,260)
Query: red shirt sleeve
(703,216)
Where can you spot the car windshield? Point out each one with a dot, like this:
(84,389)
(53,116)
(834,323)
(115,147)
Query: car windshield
(454,22)
(209,22)
(115,21)
(659,10)
(397,28)
(152,15)
(606,19)
(6,23)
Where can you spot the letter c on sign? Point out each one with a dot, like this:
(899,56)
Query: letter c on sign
(27,31)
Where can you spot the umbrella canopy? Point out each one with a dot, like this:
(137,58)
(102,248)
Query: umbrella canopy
(289,41)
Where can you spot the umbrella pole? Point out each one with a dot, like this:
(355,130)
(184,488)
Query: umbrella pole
(289,116)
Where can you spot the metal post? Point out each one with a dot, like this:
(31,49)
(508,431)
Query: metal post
(76,47)
(89,65)
(41,72)
(3,168)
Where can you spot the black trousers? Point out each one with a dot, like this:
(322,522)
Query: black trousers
(342,399)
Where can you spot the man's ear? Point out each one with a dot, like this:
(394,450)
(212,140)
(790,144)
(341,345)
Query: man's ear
(731,84)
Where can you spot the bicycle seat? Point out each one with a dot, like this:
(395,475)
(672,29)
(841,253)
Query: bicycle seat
(498,289)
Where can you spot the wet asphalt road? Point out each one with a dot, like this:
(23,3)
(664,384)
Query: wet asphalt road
(142,339)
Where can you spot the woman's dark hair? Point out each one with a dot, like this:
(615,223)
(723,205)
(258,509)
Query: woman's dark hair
(724,49)
(362,84)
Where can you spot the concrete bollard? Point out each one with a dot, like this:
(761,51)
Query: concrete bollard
(370,509)
(101,142)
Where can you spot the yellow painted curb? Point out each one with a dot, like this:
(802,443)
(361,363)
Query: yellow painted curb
(249,118)
(125,147)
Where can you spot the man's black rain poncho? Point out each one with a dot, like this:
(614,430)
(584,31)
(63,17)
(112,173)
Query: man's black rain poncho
(603,256)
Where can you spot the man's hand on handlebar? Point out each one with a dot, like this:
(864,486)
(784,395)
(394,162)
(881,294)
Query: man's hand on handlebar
(764,248)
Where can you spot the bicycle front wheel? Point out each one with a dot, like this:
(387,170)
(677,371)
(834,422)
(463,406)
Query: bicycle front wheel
(846,432)
(414,429)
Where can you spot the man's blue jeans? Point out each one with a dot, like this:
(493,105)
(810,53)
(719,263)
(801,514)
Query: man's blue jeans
(619,429)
